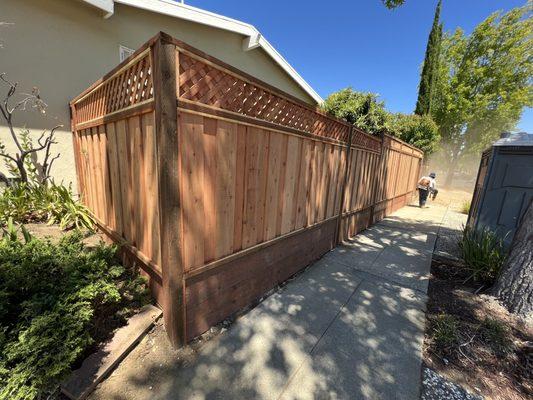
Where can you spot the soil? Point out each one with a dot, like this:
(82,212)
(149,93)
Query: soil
(483,365)
(454,198)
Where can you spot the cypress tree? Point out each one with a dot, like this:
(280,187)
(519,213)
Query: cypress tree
(427,78)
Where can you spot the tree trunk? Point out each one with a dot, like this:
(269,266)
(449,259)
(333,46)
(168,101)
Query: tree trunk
(449,174)
(514,286)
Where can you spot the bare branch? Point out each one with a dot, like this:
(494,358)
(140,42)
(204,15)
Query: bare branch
(45,140)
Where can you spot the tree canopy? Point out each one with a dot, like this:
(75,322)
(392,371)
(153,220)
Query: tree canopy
(483,82)
(426,91)
(420,131)
(367,112)
(363,110)
(390,4)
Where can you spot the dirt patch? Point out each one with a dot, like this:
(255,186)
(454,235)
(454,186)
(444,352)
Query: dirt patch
(54,233)
(473,341)
(455,198)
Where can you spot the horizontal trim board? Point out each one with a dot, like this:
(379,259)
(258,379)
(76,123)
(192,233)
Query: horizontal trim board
(152,268)
(214,296)
(232,257)
(143,107)
(212,112)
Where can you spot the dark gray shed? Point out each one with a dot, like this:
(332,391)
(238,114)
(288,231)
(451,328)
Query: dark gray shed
(504,185)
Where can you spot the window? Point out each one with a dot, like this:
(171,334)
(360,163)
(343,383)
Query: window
(124,52)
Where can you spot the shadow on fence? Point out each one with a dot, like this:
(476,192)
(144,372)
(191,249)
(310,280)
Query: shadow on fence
(220,186)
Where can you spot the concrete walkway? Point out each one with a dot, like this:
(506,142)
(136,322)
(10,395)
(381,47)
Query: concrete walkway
(350,327)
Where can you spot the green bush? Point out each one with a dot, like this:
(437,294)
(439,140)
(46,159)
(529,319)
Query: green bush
(52,297)
(51,203)
(361,109)
(420,131)
(483,253)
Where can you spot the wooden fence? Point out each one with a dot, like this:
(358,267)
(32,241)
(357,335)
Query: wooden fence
(220,186)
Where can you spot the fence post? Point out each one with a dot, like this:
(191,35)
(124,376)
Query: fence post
(339,236)
(379,175)
(164,78)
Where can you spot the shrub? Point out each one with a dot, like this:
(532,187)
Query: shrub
(51,299)
(51,203)
(445,331)
(483,254)
(361,109)
(420,131)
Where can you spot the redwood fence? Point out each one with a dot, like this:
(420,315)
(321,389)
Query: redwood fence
(220,186)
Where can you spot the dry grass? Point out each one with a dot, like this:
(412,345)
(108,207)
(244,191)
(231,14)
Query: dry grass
(455,198)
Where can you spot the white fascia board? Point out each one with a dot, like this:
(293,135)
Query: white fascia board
(189,13)
(107,6)
(252,40)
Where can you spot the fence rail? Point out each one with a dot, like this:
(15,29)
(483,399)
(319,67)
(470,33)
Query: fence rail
(221,186)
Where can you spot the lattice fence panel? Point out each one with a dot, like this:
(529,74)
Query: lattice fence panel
(366,141)
(128,87)
(206,84)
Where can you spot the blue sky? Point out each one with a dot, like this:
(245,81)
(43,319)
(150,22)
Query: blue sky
(358,43)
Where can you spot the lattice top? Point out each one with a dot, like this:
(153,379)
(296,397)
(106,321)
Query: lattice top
(207,84)
(129,86)
(365,141)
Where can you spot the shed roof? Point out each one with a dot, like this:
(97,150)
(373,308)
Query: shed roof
(515,139)
(252,37)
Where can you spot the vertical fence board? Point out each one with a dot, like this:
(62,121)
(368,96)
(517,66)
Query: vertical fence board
(288,219)
(226,156)
(209,186)
(239,187)
(192,186)
(272,195)
(233,184)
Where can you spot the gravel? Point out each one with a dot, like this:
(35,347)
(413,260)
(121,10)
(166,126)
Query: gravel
(436,387)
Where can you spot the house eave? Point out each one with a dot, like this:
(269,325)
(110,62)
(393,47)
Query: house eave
(252,37)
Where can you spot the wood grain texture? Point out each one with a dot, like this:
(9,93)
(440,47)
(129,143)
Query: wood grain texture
(218,193)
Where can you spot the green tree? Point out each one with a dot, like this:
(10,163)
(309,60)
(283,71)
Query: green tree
(363,110)
(483,84)
(390,4)
(429,69)
(420,131)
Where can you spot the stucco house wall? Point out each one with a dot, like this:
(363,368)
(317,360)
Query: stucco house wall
(62,46)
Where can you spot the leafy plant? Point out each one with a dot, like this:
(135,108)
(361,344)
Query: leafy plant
(483,253)
(52,297)
(51,203)
(390,4)
(420,131)
(445,331)
(482,83)
(363,110)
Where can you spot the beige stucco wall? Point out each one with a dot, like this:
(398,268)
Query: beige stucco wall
(62,46)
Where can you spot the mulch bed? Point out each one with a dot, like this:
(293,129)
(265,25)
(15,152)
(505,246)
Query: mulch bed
(484,348)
